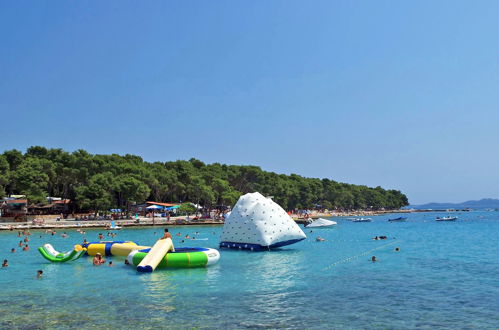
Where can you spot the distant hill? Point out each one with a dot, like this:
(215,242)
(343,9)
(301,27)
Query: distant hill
(486,203)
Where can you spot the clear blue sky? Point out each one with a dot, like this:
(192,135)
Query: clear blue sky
(402,94)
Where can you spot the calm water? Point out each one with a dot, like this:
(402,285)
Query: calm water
(446,275)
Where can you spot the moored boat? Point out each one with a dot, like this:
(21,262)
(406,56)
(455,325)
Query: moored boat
(320,223)
(446,219)
(362,220)
(399,219)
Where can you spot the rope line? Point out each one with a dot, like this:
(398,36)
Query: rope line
(360,255)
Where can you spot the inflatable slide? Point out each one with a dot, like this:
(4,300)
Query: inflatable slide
(155,255)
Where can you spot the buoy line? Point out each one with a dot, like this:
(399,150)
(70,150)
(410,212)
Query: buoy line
(360,255)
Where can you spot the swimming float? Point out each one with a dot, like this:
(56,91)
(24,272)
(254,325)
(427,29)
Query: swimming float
(180,258)
(112,248)
(49,253)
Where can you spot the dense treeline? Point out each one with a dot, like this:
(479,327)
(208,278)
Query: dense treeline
(100,182)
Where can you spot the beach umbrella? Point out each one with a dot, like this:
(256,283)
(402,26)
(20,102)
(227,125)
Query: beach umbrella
(154,207)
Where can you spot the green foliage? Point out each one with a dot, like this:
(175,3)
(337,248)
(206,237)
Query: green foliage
(187,208)
(100,182)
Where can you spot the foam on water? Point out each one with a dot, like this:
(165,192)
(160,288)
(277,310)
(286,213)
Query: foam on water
(444,276)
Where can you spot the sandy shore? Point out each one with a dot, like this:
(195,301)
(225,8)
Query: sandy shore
(174,221)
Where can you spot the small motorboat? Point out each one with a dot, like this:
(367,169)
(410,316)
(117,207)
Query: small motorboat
(399,219)
(362,220)
(320,223)
(446,219)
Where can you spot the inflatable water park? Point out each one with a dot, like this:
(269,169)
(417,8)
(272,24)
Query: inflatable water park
(256,223)
(161,255)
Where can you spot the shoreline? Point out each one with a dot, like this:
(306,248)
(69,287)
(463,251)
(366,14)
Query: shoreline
(174,221)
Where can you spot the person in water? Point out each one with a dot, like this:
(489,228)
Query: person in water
(397,249)
(101,236)
(98,260)
(167,234)
(26,248)
(20,244)
(127,262)
(110,264)
(373,259)
(5,263)
(320,239)
(39,273)
(13,250)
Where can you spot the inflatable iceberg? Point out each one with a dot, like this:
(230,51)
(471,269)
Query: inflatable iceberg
(258,223)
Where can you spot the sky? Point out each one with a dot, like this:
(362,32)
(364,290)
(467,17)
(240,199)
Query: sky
(401,94)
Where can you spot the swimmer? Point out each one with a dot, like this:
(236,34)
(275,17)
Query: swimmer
(373,259)
(13,250)
(127,262)
(26,248)
(178,234)
(376,238)
(39,273)
(5,263)
(26,239)
(397,249)
(64,235)
(101,236)
(20,244)
(98,260)
(320,239)
(85,241)
(110,264)
(167,235)
(187,236)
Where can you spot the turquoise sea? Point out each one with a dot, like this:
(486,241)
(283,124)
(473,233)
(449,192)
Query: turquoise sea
(446,275)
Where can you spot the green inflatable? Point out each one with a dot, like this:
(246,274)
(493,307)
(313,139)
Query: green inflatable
(49,253)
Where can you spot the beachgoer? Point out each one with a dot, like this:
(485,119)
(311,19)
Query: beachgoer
(26,248)
(373,259)
(39,273)
(98,260)
(5,263)
(167,234)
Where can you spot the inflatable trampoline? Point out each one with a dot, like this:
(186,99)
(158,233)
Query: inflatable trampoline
(181,258)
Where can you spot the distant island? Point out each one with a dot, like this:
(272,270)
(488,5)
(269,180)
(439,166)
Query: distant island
(485,203)
(103,182)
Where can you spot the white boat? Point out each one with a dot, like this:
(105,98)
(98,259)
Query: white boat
(320,223)
(362,220)
(446,219)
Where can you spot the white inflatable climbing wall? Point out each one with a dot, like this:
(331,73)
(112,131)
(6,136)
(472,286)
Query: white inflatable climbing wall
(257,223)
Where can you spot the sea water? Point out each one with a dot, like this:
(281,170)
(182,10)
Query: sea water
(446,275)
